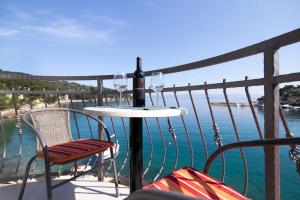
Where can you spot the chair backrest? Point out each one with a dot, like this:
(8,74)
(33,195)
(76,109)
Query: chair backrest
(53,124)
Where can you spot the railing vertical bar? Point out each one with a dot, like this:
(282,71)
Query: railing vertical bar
(88,120)
(15,103)
(164,144)
(45,97)
(198,123)
(91,98)
(30,100)
(74,115)
(95,101)
(288,132)
(4,143)
(150,142)
(100,159)
(126,139)
(271,116)
(217,136)
(77,128)
(19,127)
(114,133)
(111,119)
(171,131)
(149,136)
(58,100)
(238,139)
(59,105)
(185,129)
(253,111)
(151,147)
(294,153)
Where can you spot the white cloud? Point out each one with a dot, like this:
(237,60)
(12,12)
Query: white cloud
(8,32)
(45,24)
(66,28)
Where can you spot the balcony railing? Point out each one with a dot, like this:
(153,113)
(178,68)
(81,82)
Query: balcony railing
(273,113)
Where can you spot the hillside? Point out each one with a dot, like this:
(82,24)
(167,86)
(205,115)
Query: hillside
(289,95)
(39,85)
(6,100)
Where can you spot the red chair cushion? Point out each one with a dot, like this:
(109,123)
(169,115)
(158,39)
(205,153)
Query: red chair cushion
(193,183)
(66,152)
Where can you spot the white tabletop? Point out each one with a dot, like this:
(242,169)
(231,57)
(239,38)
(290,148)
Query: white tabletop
(137,112)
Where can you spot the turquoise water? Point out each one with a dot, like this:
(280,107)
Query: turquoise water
(234,167)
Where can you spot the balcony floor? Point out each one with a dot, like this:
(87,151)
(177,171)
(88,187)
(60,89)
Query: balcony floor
(85,188)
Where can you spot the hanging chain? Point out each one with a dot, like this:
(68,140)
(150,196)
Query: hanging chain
(294,155)
(294,152)
(19,124)
(217,137)
(171,128)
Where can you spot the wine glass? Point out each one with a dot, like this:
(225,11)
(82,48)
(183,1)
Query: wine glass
(157,84)
(120,83)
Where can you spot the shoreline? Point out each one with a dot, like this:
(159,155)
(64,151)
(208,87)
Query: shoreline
(235,104)
(10,112)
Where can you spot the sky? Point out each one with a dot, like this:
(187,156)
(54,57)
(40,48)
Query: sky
(103,37)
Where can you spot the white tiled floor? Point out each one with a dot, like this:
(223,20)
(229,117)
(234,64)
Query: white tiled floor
(81,189)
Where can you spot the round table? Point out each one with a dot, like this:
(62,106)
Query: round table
(136,132)
(137,112)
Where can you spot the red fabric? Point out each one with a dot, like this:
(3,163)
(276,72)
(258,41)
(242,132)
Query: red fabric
(196,184)
(65,152)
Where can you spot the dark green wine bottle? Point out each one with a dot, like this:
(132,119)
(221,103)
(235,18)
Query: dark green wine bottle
(138,85)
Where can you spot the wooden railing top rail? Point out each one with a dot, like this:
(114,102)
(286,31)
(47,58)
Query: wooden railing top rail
(285,78)
(276,42)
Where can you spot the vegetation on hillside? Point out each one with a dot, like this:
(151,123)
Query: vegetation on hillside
(289,94)
(6,100)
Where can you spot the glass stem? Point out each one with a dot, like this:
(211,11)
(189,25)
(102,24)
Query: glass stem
(157,98)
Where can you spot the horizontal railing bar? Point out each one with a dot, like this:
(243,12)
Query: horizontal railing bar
(276,42)
(285,78)
(52,78)
(42,92)
(234,84)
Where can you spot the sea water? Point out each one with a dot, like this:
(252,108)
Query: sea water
(234,173)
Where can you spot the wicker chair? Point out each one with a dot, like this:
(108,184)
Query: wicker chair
(55,144)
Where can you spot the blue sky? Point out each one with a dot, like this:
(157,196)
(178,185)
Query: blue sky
(102,37)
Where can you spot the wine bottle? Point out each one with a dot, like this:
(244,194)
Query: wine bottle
(138,85)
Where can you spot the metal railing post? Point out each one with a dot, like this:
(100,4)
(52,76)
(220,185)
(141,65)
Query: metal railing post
(100,129)
(271,116)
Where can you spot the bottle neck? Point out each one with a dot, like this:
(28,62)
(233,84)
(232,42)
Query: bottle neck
(138,63)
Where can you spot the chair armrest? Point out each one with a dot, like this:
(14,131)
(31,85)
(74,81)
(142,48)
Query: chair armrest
(252,143)
(150,194)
